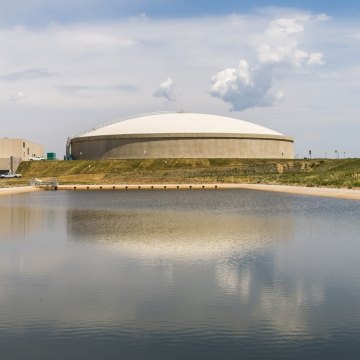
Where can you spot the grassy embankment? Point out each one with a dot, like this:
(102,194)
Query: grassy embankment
(343,173)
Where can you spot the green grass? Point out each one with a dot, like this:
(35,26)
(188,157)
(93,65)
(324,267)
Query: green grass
(315,172)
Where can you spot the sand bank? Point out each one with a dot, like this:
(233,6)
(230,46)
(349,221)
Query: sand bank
(17,190)
(302,190)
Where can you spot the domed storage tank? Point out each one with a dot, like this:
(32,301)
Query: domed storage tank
(181,135)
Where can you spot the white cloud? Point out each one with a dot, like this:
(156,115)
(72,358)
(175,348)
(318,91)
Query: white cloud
(281,43)
(279,96)
(283,27)
(17,97)
(288,54)
(237,20)
(321,17)
(316,59)
(95,39)
(28,74)
(166,90)
(243,87)
(142,17)
(277,48)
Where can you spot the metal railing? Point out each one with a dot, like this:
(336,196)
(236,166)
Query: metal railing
(120,120)
(51,184)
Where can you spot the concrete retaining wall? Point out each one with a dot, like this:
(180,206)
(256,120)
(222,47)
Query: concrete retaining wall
(182,146)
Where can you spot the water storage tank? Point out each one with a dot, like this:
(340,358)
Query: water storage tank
(180,135)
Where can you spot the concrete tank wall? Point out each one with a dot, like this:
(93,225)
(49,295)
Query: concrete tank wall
(182,146)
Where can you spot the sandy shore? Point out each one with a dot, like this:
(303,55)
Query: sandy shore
(17,190)
(300,190)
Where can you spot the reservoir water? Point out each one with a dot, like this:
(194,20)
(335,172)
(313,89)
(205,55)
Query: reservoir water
(172,274)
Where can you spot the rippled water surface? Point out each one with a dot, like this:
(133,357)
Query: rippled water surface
(207,274)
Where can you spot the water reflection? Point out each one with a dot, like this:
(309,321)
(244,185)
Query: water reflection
(20,222)
(236,250)
(177,235)
(206,274)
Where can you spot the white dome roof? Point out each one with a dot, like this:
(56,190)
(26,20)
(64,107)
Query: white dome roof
(181,123)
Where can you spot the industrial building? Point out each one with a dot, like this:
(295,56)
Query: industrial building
(13,151)
(180,135)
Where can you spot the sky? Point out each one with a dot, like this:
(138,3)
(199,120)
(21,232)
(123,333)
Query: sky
(292,66)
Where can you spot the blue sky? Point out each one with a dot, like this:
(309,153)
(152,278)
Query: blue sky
(67,66)
(41,12)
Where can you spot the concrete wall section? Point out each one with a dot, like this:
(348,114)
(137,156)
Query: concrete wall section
(11,163)
(4,165)
(182,146)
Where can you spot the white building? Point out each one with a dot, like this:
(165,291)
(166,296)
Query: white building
(13,151)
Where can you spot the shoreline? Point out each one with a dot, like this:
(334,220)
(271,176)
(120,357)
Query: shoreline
(339,193)
(17,190)
(297,190)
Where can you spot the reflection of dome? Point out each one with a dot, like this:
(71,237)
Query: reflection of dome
(181,135)
(176,235)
